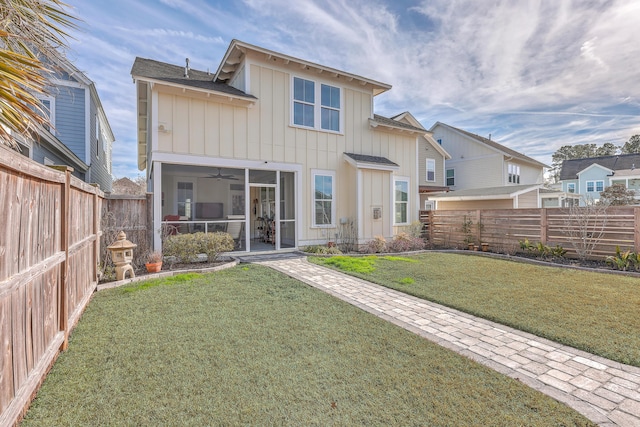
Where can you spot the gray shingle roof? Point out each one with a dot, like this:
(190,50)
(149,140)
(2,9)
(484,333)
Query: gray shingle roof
(497,146)
(162,71)
(390,122)
(570,168)
(371,159)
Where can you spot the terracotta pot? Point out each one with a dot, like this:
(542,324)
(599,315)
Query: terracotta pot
(153,267)
(485,247)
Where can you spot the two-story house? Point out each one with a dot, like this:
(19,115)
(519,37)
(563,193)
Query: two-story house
(279,151)
(483,174)
(588,177)
(431,163)
(79,135)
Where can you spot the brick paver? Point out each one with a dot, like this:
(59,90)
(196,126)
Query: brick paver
(606,392)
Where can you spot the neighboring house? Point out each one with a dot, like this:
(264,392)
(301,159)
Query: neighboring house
(124,186)
(431,163)
(489,175)
(588,177)
(290,149)
(80,136)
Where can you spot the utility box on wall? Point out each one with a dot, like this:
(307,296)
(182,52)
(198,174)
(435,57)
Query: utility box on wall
(377,212)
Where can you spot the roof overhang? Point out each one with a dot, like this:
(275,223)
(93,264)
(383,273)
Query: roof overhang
(374,165)
(387,126)
(594,166)
(55,145)
(237,50)
(468,195)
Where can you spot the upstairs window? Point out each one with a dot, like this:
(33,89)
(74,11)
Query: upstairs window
(571,187)
(303,102)
(431,170)
(47,105)
(597,186)
(451,177)
(514,173)
(316,105)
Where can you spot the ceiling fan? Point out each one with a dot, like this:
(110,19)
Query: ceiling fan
(220,176)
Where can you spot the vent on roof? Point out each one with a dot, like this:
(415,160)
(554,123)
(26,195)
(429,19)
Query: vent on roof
(186,68)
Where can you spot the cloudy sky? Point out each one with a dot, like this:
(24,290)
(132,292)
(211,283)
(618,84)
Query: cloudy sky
(536,75)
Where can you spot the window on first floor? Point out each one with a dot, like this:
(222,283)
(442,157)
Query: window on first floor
(431,170)
(514,173)
(597,186)
(323,198)
(571,187)
(451,177)
(401,201)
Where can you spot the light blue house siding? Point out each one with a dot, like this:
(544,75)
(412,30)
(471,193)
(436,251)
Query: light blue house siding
(70,118)
(591,181)
(40,152)
(100,149)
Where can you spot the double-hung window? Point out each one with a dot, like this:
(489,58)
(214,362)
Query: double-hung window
(401,201)
(48,110)
(597,186)
(451,177)
(316,105)
(571,187)
(514,173)
(431,170)
(304,99)
(323,198)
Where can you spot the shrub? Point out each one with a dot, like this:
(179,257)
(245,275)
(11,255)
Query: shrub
(623,260)
(403,242)
(375,246)
(541,250)
(187,247)
(321,249)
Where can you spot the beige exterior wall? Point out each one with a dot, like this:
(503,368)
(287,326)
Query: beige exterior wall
(426,151)
(199,125)
(475,204)
(477,172)
(528,200)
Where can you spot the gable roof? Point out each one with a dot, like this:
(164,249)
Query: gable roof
(391,123)
(163,72)
(408,117)
(364,161)
(571,167)
(237,50)
(492,144)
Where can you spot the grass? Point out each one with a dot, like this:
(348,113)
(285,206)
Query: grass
(595,312)
(249,346)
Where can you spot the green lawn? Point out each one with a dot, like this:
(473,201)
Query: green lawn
(249,346)
(595,312)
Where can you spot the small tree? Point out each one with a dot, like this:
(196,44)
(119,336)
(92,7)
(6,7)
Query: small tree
(618,195)
(585,226)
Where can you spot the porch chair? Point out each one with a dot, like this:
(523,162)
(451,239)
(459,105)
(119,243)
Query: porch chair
(236,229)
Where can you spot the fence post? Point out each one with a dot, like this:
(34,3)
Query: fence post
(97,232)
(636,229)
(479,226)
(65,212)
(544,226)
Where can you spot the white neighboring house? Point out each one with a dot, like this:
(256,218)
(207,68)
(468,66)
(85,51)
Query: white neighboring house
(483,174)
(588,177)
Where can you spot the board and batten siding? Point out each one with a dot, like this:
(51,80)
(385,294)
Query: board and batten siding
(529,200)
(477,173)
(207,127)
(426,151)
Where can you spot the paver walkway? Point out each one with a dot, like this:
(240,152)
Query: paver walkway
(606,392)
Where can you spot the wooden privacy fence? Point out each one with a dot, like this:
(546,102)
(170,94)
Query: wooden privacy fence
(49,251)
(503,229)
(132,214)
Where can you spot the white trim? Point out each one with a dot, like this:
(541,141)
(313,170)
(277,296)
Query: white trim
(157,204)
(224,95)
(426,170)
(52,111)
(197,160)
(595,165)
(68,83)
(154,125)
(393,198)
(332,174)
(360,203)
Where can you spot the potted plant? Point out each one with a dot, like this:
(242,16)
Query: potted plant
(154,262)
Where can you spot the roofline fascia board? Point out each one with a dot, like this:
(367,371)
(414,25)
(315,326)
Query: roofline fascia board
(154,82)
(594,165)
(63,150)
(383,87)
